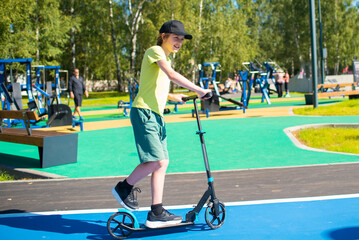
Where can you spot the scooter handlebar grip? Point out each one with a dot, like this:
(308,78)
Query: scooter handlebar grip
(185,99)
(208,95)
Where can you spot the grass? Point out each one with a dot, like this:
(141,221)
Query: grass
(348,107)
(4,176)
(331,139)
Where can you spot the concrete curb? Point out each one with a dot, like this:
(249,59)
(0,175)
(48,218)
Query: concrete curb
(21,173)
(289,131)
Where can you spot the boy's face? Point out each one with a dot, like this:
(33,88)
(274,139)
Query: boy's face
(173,43)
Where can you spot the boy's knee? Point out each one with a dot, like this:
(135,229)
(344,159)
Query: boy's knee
(161,164)
(154,166)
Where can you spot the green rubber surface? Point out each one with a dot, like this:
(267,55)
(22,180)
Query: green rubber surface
(231,144)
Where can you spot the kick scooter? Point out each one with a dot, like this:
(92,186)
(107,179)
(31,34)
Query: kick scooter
(123,223)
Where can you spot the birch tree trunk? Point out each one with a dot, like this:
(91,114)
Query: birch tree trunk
(113,37)
(37,34)
(296,39)
(195,63)
(337,57)
(133,22)
(73,43)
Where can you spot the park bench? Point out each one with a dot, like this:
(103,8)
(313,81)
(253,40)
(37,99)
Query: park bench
(336,93)
(55,148)
(335,86)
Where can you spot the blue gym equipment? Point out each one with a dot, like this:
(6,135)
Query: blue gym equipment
(11,98)
(246,89)
(132,90)
(11,92)
(212,104)
(205,81)
(271,68)
(257,77)
(123,223)
(46,90)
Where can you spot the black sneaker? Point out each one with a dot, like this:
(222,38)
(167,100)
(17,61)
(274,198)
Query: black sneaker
(127,199)
(164,219)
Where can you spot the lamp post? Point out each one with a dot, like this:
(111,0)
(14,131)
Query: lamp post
(321,44)
(314,53)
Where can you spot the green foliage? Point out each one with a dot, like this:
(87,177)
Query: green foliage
(4,176)
(227,31)
(33,29)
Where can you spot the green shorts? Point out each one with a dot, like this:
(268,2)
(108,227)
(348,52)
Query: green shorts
(150,134)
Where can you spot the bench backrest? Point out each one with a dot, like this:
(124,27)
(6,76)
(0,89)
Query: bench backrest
(333,85)
(19,114)
(25,115)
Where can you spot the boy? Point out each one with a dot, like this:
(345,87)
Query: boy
(148,123)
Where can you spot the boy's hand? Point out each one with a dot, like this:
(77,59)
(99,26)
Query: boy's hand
(177,97)
(204,92)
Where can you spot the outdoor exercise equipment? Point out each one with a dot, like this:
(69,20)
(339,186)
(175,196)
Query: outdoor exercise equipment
(271,68)
(123,223)
(48,89)
(11,98)
(212,104)
(133,90)
(205,81)
(11,91)
(257,77)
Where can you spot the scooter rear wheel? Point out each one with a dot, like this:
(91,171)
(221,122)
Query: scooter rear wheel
(116,223)
(212,220)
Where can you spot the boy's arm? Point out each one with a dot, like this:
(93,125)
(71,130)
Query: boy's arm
(179,79)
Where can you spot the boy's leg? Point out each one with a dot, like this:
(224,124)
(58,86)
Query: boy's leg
(124,191)
(158,182)
(144,169)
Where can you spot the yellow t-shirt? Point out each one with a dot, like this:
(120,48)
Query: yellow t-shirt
(154,83)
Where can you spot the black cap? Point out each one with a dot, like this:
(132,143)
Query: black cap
(175,27)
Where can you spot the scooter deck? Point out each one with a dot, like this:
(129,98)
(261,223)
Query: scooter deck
(144,228)
(182,224)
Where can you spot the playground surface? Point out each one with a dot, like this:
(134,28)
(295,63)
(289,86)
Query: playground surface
(273,189)
(311,218)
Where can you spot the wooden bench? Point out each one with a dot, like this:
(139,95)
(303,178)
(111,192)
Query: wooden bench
(55,148)
(352,95)
(336,86)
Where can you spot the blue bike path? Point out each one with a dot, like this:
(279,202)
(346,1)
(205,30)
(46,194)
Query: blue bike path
(330,218)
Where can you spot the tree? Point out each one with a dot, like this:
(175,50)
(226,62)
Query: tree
(16,35)
(50,30)
(113,36)
(132,14)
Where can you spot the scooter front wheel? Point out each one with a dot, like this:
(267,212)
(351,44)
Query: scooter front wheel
(118,225)
(214,220)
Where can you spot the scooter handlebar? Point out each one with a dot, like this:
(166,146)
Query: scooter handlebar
(208,95)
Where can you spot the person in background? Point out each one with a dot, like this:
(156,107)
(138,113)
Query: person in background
(286,83)
(77,89)
(279,75)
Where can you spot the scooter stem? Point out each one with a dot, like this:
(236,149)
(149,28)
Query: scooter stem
(204,151)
